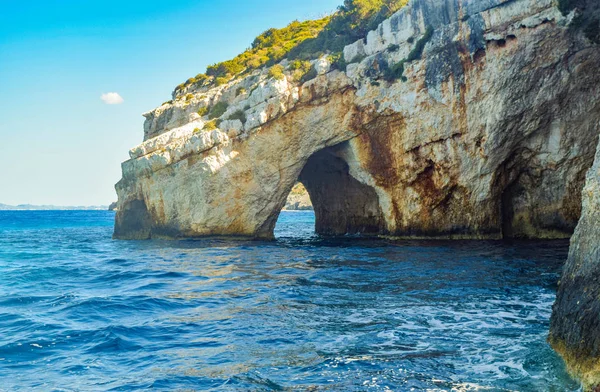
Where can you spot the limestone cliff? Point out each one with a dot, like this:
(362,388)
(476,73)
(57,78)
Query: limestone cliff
(575,329)
(453,119)
(298,199)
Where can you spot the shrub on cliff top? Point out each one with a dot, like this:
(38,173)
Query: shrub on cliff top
(300,65)
(299,69)
(304,40)
(276,72)
(220,81)
(211,125)
(226,68)
(354,19)
(202,111)
(268,48)
(199,80)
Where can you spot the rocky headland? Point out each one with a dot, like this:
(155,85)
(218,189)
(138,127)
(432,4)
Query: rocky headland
(449,119)
(487,132)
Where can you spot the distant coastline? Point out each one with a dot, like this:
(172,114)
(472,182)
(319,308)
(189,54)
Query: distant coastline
(31,207)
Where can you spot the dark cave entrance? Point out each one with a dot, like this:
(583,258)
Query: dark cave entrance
(507,212)
(342,205)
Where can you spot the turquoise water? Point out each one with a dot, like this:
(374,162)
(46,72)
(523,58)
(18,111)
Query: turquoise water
(80,312)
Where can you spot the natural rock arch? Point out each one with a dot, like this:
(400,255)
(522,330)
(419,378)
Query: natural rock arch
(341,203)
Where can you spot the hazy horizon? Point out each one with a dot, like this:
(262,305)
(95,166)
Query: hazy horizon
(77,77)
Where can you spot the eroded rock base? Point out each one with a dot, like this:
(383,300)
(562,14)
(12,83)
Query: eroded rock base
(133,221)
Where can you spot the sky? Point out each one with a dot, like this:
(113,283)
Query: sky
(76,76)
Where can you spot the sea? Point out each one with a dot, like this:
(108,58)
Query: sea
(82,312)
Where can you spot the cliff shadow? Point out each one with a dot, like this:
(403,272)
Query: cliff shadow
(342,205)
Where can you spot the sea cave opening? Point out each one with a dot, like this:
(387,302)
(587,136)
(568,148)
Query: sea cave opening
(328,198)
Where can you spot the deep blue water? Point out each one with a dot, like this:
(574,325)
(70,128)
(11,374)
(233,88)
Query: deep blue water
(81,312)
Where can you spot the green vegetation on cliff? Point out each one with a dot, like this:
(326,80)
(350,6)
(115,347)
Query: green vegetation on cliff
(276,72)
(218,110)
(397,70)
(302,41)
(238,115)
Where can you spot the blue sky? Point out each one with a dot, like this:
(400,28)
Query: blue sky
(60,143)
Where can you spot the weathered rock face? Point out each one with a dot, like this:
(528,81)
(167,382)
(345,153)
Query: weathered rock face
(575,327)
(489,136)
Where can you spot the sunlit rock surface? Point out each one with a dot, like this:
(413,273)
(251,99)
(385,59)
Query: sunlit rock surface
(298,199)
(490,135)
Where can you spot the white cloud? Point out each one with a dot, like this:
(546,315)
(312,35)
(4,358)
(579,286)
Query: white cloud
(112,98)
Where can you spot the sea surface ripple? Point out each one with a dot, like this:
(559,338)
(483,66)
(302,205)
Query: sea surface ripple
(81,312)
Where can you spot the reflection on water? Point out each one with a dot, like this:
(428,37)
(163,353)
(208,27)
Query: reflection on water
(79,311)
